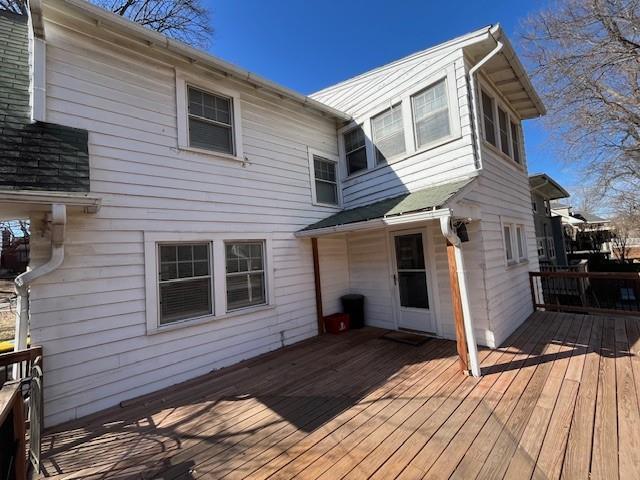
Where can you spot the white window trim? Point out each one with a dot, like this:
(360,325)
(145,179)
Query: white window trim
(513,225)
(182,81)
(411,150)
(217,258)
(498,101)
(311,152)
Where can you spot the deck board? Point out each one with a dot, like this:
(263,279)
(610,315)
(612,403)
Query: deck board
(560,399)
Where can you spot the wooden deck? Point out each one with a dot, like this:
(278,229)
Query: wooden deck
(560,399)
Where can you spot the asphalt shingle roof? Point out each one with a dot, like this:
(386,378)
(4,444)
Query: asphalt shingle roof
(33,155)
(424,199)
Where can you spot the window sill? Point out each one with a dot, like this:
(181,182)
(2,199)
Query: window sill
(326,205)
(213,153)
(515,264)
(496,151)
(191,322)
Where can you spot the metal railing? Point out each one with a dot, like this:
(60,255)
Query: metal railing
(23,369)
(586,292)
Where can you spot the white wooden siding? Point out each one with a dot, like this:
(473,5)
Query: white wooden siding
(334,272)
(89,314)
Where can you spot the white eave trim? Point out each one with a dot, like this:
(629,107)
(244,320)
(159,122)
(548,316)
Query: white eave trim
(195,55)
(376,223)
(90,203)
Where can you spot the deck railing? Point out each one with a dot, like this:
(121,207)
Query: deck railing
(586,292)
(21,380)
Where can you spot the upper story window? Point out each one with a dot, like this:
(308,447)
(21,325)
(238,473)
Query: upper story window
(489,120)
(503,127)
(515,142)
(210,121)
(325,180)
(355,150)
(431,114)
(503,131)
(387,134)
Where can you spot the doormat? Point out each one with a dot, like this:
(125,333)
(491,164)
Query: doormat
(406,338)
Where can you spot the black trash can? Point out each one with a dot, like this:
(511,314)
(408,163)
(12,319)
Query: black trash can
(353,305)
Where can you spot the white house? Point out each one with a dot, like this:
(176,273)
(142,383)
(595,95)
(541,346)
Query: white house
(213,192)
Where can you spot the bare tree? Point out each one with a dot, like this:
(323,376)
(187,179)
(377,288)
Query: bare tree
(586,55)
(184,20)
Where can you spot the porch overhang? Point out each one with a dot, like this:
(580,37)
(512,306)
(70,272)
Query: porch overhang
(430,203)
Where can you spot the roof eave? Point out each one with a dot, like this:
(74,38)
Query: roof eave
(154,38)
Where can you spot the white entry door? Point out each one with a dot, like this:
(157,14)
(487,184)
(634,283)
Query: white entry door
(411,280)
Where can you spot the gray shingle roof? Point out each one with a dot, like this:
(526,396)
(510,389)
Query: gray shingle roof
(40,155)
(421,200)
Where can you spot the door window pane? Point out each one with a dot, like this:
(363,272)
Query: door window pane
(413,289)
(409,252)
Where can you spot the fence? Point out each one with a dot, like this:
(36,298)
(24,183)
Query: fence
(586,292)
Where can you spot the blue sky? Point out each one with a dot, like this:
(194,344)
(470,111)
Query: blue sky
(307,45)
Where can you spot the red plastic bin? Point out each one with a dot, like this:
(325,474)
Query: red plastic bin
(336,323)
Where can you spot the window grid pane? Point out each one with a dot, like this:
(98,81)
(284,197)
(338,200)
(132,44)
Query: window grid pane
(184,280)
(388,134)
(431,114)
(520,240)
(245,274)
(356,153)
(210,121)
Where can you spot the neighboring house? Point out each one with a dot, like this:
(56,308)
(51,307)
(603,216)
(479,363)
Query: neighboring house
(14,253)
(549,230)
(190,242)
(584,233)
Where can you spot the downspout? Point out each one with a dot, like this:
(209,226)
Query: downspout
(448,231)
(473,86)
(58,220)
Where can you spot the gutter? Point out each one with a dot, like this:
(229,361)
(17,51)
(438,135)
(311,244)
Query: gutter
(473,86)
(472,347)
(58,220)
(194,55)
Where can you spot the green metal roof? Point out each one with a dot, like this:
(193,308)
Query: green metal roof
(426,199)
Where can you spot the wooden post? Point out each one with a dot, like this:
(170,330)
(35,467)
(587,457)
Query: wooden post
(316,276)
(461,337)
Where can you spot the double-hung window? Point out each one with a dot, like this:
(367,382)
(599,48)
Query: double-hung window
(388,134)
(431,114)
(245,274)
(515,244)
(488,118)
(210,121)
(184,281)
(325,180)
(503,127)
(355,150)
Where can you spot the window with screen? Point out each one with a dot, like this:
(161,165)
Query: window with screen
(508,245)
(431,114)
(245,274)
(488,118)
(388,134)
(184,281)
(355,150)
(326,180)
(210,121)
